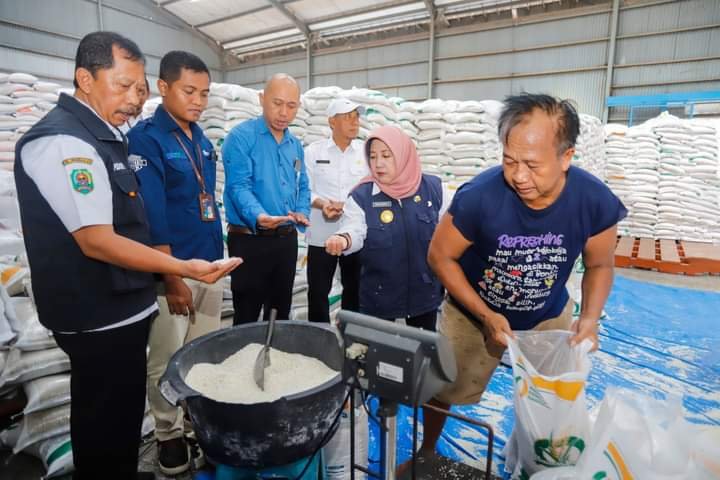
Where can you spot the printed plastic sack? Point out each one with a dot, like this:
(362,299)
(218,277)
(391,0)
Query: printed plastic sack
(638,437)
(47,392)
(31,334)
(7,335)
(336,454)
(42,425)
(552,423)
(22,366)
(56,453)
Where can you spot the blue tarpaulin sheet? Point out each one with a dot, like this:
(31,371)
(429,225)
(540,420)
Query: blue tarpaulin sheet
(657,340)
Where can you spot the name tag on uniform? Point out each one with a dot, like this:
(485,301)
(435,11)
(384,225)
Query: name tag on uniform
(322,162)
(384,204)
(297,165)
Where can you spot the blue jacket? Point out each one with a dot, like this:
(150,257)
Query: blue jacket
(171,189)
(395,279)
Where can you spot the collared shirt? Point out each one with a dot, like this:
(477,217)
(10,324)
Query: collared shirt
(54,157)
(170,186)
(130,123)
(353,221)
(332,174)
(262,175)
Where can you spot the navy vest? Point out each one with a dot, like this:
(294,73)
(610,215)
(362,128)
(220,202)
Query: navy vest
(395,279)
(74,292)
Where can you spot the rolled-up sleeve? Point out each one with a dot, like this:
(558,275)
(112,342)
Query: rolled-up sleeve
(150,170)
(239,178)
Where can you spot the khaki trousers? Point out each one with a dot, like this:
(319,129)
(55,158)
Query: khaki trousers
(168,334)
(477,359)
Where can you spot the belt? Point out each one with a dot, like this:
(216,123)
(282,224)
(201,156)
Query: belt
(281,231)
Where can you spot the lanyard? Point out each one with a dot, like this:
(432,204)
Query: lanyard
(198,172)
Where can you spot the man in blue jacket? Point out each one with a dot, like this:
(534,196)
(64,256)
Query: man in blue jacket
(266,198)
(176,166)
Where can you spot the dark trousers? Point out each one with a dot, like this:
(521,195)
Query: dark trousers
(266,276)
(320,271)
(107,385)
(426,320)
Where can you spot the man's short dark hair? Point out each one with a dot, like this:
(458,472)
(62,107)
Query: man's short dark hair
(172,64)
(95,51)
(518,106)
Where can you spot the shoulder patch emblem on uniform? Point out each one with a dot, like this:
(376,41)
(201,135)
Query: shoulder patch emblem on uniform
(136,162)
(82,181)
(83,160)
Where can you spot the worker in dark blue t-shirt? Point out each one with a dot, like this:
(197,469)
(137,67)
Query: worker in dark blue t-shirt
(506,247)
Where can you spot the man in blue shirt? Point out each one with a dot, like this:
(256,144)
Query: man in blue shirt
(506,247)
(176,164)
(266,197)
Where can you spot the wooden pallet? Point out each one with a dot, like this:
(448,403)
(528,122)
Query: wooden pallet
(668,256)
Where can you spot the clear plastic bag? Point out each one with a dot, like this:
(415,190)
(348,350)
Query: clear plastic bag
(552,424)
(638,437)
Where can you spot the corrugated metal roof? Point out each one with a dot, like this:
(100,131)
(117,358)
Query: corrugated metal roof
(258,25)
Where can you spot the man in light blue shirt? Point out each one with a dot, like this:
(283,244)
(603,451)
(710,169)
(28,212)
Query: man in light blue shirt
(267,196)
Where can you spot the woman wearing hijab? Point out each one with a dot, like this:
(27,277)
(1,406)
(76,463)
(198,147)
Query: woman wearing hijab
(391,216)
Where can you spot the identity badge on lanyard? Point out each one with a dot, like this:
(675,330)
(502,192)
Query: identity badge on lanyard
(207,203)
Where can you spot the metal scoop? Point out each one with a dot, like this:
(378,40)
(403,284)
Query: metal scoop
(263,359)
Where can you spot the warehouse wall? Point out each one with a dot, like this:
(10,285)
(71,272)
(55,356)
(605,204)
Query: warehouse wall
(662,46)
(41,36)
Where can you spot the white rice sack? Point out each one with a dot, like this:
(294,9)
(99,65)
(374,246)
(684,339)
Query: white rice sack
(22,366)
(47,392)
(467,137)
(12,277)
(476,127)
(460,170)
(469,162)
(31,334)
(323,92)
(56,453)
(9,88)
(435,106)
(24,78)
(420,116)
(7,334)
(43,425)
(433,134)
(462,117)
(434,125)
(48,87)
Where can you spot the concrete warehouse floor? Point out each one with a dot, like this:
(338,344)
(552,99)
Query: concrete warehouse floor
(23,467)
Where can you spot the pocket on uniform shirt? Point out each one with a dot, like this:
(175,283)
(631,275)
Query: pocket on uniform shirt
(131,209)
(378,238)
(426,225)
(179,164)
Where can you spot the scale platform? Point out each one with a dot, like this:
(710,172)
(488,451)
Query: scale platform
(437,467)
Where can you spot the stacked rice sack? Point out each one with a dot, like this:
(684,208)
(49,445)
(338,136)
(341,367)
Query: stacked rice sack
(32,364)
(590,146)
(689,186)
(666,171)
(23,101)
